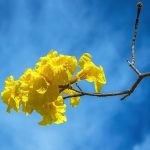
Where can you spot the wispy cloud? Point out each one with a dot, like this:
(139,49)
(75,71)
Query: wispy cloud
(29,29)
(145,145)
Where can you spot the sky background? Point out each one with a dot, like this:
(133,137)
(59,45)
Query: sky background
(29,29)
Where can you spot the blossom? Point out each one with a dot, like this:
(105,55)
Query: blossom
(90,72)
(53,112)
(11,95)
(42,88)
(57,68)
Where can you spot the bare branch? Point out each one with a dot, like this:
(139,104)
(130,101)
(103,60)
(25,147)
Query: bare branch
(126,93)
(139,5)
(78,87)
(134,68)
(96,94)
(140,75)
(145,74)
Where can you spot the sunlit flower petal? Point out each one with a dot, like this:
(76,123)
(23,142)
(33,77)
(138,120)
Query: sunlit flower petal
(11,95)
(85,58)
(53,112)
(90,72)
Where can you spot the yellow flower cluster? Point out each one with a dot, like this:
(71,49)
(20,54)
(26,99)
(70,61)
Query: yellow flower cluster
(41,89)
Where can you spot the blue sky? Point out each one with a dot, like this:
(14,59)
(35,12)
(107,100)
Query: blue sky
(30,28)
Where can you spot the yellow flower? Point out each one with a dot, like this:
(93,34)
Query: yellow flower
(53,112)
(41,89)
(90,72)
(11,95)
(37,90)
(57,68)
(43,97)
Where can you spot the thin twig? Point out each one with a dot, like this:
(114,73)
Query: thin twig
(78,87)
(96,94)
(134,68)
(139,5)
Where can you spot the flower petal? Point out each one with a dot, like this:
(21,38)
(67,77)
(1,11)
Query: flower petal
(86,57)
(98,86)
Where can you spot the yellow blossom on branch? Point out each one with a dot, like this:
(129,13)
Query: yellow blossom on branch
(90,72)
(41,89)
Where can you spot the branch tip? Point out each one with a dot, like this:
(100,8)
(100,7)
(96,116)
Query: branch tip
(139,4)
(124,97)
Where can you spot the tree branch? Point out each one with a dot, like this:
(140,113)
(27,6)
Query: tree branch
(126,93)
(140,75)
(139,5)
(78,87)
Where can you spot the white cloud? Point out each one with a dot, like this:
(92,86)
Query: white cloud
(145,145)
(86,124)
